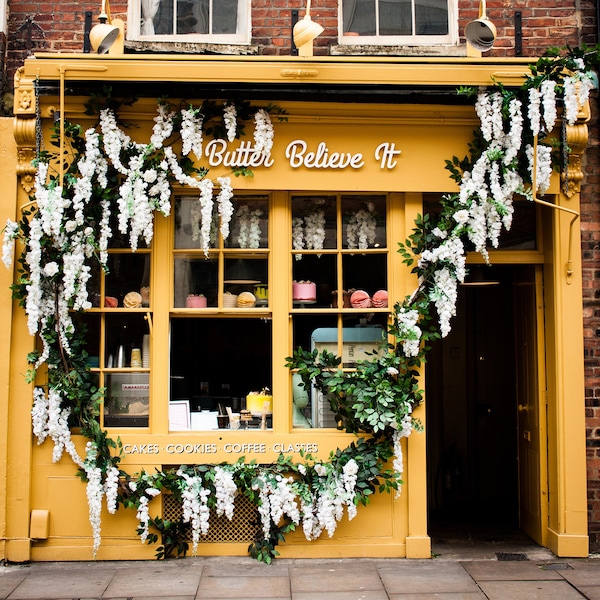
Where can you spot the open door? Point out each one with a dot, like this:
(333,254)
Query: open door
(531,402)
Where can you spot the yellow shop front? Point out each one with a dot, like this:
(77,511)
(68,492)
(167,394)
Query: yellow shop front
(190,338)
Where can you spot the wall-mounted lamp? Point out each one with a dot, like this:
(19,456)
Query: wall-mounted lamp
(107,36)
(305,31)
(481,33)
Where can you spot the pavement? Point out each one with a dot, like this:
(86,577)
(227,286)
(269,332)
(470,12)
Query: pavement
(455,572)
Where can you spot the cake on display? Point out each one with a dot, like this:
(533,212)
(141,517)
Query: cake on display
(360,299)
(304,291)
(261,402)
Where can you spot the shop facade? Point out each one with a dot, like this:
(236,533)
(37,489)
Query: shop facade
(355,135)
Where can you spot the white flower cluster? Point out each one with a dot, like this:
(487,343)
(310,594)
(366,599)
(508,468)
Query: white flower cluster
(11,231)
(191,132)
(249,222)
(225,205)
(409,331)
(325,508)
(225,492)
(443,295)
(544,166)
(94,491)
(487,190)
(263,132)
(309,232)
(277,498)
(230,120)
(298,235)
(111,489)
(361,231)
(206,212)
(195,507)
(404,429)
(50,420)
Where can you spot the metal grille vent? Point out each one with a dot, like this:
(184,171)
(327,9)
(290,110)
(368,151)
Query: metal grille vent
(242,528)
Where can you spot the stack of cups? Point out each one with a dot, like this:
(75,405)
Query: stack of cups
(146,352)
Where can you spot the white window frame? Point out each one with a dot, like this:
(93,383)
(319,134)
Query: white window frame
(134,20)
(451,38)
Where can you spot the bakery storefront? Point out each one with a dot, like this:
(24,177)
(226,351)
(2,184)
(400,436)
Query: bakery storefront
(191,334)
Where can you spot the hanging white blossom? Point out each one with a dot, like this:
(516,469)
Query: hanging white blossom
(230,120)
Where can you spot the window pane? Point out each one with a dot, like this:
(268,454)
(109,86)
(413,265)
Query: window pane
(196,282)
(313,222)
(364,221)
(359,16)
(431,17)
(224,16)
(318,270)
(395,17)
(216,363)
(128,281)
(127,400)
(189,17)
(310,408)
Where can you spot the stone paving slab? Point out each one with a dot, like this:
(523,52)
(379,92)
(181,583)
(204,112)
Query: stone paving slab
(440,596)
(582,573)
(488,570)
(157,582)
(427,577)
(591,593)
(64,584)
(333,578)
(530,590)
(228,586)
(347,595)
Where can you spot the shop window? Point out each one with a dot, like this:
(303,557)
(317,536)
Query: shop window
(396,22)
(118,330)
(221,331)
(339,287)
(209,21)
(222,335)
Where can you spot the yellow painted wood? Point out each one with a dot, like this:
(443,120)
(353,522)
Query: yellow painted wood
(427,135)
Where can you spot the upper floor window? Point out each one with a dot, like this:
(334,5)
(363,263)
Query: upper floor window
(397,22)
(210,21)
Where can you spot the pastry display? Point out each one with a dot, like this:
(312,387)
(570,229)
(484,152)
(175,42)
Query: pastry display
(345,303)
(195,301)
(111,302)
(229,300)
(360,299)
(380,299)
(261,292)
(132,300)
(246,300)
(304,291)
(145,293)
(259,403)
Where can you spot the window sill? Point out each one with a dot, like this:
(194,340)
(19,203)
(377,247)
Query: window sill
(375,50)
(190,48)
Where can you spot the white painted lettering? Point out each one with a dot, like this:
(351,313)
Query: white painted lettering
(385,153)
(296,153)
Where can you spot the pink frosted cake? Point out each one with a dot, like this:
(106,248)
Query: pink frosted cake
(304,291)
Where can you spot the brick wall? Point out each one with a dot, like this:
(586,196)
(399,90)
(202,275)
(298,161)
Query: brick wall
(590,234)
(58,27)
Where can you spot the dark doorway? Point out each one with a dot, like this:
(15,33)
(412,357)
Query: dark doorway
(472,416)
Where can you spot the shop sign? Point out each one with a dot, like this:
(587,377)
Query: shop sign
(299,154)
(227,448)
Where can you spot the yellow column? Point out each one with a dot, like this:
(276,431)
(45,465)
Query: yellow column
(567,530)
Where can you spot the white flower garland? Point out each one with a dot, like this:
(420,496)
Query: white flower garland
(485,206)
